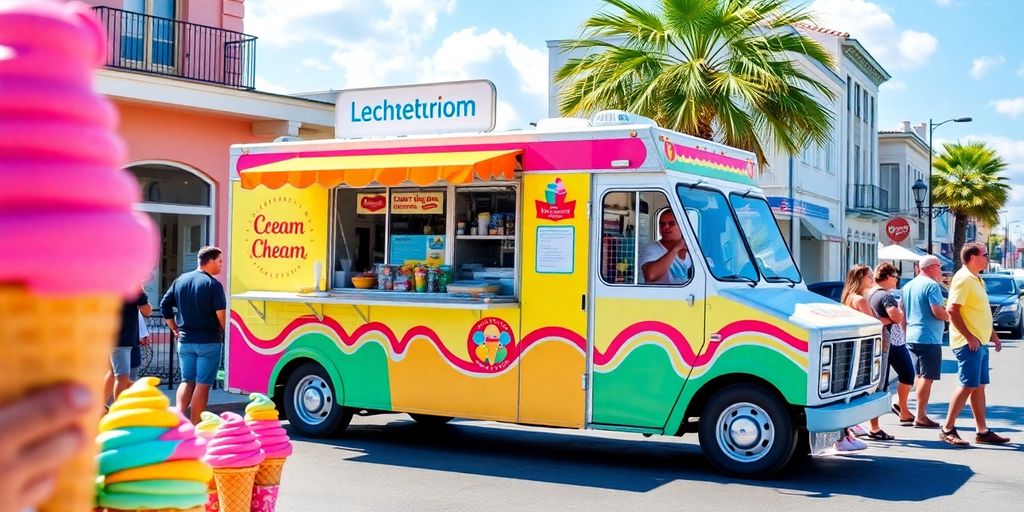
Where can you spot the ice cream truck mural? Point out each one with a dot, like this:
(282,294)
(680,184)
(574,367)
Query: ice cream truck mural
(515,277)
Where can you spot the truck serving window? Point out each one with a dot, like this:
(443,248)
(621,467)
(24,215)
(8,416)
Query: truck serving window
(718,234)
(764,238)
(631,238)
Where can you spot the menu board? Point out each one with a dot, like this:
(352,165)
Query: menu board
(413,249)
(555,249)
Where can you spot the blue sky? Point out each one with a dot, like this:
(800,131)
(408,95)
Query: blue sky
(948,58)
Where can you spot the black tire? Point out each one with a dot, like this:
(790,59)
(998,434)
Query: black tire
(746,431)
(319,415)
(427,420)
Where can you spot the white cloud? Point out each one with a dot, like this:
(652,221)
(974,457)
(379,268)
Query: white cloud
(279,23)
(868,23)
(466,49)
(981,66)
(506,117)
(263,85)
(311,63)
(1020,71)
(1012,107)
(894,85)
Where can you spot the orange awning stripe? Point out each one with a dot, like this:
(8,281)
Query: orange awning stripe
(359,171)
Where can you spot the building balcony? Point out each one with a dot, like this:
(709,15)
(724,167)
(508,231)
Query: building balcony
(160,46)
(868,202)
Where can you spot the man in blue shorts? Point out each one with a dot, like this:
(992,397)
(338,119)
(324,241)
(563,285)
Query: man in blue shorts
(200,302)
(969,336)
(926,318)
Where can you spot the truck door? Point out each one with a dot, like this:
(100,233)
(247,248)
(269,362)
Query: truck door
(645,327)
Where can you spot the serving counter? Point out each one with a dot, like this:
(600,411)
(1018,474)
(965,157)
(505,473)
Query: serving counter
(371,298)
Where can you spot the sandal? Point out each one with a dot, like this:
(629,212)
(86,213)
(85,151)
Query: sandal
(896,409)
(926,423)
(881,435)
(952,437)
(909,421)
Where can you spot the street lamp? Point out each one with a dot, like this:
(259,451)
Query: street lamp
(931,135)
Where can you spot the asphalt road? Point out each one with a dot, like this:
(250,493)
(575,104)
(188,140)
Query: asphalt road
(389,463)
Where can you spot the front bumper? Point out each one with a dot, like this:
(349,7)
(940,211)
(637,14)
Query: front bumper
(1006,320)
(829,418)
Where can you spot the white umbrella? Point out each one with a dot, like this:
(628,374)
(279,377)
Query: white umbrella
(896,252)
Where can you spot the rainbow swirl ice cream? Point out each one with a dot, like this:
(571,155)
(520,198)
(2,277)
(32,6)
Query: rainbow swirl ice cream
(233,445)
(63,195)
(207,425)
(149,455)
(262,417)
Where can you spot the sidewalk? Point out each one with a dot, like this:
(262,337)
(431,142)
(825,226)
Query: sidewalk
(220,400)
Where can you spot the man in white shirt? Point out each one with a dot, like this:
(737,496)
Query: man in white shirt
(666,261)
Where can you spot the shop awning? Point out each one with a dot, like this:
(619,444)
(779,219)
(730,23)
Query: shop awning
(358,171)
(821,229)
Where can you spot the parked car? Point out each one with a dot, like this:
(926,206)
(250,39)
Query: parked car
(1006,297)
(828,289)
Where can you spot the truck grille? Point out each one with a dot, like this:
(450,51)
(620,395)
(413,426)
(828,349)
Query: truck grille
(842,364)
(851,366)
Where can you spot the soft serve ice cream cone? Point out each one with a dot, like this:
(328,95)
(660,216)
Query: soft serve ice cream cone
(235,455)
(204,431)
(71,246)
(149,455)
(262,417)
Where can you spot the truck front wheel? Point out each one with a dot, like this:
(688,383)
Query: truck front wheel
(746,431)
(310,402)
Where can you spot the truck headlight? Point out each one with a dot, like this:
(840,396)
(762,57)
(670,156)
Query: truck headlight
(878,347)
(826,355)
(1009,308)
(825,381)
(876,366)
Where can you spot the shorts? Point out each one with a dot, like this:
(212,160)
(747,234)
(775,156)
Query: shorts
(972,366)
(200,362)
(927,360)
(120,360)
(136,363)
(899,360)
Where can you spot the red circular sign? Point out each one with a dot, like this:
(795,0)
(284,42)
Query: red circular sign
(898,229)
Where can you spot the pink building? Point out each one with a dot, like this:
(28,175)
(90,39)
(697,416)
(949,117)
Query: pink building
(182,74)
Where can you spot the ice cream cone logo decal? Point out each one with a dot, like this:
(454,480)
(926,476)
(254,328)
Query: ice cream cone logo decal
(554,206)
(492,344)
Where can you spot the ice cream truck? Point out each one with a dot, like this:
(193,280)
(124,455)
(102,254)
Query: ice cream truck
(504,276)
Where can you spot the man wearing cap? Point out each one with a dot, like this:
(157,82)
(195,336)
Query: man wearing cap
(926,317)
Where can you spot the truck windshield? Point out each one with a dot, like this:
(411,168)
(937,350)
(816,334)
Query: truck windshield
(719,237)
(762,233)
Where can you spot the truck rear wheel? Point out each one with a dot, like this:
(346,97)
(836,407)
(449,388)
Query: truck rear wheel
(746,431)
(310,402)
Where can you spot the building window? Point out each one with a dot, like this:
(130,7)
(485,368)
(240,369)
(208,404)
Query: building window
(889,179)
(849,93)
(856,100)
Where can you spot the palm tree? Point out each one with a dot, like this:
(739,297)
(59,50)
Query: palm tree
(717,69)
(968,178)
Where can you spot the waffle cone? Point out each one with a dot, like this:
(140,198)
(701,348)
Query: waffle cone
(269,472)
(234,487)
(193,509)
(51,340)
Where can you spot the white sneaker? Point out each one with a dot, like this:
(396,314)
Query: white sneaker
(858,444)
(858,431)
(849,444)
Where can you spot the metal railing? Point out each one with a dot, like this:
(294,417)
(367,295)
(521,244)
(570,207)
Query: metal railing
(166,47)
(868,197)
(160,353)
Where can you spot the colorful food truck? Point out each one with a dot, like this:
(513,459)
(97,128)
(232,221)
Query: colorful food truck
(501,276)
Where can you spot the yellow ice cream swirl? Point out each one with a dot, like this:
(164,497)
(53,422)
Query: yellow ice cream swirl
(261,408)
